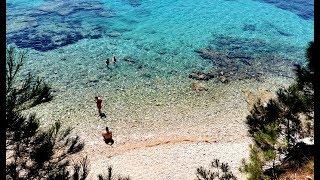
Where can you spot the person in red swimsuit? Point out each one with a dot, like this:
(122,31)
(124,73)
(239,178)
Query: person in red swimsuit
(107,136)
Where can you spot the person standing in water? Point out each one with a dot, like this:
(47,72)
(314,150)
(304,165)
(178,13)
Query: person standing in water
(111,61)
(108,63)
(114,60)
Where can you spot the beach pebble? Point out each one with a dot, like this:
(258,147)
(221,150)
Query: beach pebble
(223,79)
(195,86)
(308,178)
(201,76)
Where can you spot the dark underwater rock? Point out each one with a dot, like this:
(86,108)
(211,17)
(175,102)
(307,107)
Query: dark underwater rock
(211,54)
(249,27)
(53,24)
(283,33)
(303,8)
(201,76)
(129,60)
(134,3)
(242,58)
(65,8)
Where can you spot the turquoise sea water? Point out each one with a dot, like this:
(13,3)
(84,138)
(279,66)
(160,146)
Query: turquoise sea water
(69,40)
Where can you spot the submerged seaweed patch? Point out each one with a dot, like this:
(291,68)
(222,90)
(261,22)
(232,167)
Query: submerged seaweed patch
(303,8)
(277,29)
(241,58)
(134,3)
(55,23)
(249,27)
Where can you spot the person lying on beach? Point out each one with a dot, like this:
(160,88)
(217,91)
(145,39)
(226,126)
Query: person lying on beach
(107,136)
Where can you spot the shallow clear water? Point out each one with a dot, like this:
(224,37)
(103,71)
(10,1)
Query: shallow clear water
(70,40)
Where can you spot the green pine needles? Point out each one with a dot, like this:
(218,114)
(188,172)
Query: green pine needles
(277,127)
(33,153)
(218,170)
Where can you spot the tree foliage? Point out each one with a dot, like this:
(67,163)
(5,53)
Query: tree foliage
(277,126)
(33,153)
(81,171)
(220,171)
(253,168)
(110,176)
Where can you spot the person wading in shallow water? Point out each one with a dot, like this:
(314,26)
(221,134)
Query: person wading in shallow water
(107,136)
(99,104)
(111,61)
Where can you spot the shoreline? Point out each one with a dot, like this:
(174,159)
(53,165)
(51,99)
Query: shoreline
(184,118)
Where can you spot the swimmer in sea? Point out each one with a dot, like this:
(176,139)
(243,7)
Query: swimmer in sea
(111,61)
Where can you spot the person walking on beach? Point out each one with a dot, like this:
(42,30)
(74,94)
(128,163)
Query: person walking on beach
(107,136)
(99,104)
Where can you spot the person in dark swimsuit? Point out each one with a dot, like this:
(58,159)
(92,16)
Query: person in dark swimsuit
(108,62)
(99,106)
(111,61)
(107,136)
(114,60)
